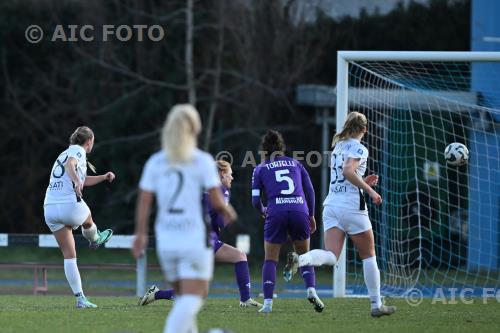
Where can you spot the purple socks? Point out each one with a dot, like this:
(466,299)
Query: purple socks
(164,294)
(268,278)
(309,276)
(243,279)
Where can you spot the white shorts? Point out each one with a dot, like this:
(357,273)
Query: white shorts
(71,214)
(350,221)
(197,264)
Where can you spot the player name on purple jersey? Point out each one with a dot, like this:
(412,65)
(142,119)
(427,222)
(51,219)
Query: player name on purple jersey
(277,164)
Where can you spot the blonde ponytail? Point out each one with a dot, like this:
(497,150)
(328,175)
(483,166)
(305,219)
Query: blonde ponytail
(353,125)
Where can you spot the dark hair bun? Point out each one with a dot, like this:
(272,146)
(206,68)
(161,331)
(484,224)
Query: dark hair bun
(272,142)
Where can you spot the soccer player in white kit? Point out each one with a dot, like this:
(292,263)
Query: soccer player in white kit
(345,210)
(177,176)
(65,210)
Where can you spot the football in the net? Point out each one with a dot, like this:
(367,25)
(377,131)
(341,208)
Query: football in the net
(456,154)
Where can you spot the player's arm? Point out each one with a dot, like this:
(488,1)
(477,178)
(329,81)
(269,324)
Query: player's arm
(349,172)
(308,190)
(371,180)
(310,197)
(70,168)
(219,205)
(256,190)
(143,207)
(147,189)
(94,180)
(257,204)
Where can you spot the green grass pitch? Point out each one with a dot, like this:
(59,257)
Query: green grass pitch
(121,314)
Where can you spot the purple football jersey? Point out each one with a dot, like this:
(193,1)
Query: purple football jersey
(216,219)
(283,181)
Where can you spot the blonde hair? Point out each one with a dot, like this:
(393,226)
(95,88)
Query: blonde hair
(222,166)
(354,124)
(180,132)
(81,135)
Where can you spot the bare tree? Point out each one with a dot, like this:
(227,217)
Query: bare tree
(216,75)
(189,53)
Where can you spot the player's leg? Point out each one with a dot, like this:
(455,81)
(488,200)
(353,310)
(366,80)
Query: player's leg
(228,254)
(309,276)
(89,229)
(299,230)
(272,251)
(80,215)
(189,300)
(64,237)
(154,293)
(365,244)
(194,272)
(334,241)
(275,234)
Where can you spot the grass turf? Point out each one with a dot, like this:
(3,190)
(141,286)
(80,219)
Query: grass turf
(121,314)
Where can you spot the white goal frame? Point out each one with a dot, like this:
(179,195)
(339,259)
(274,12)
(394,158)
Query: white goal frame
(342,107)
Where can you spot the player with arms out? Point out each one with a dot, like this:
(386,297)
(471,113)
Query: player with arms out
(177,176)
(65,210)
(345,211)
(222,252)
(289,212)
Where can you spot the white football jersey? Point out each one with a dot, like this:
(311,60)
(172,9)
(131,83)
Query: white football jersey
(60,189)
(179,188)
(342,193)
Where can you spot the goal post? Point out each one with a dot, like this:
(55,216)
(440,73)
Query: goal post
(438,225)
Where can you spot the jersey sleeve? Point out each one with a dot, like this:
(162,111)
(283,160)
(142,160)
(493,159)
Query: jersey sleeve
(210,178)
(256,189)
(76,152)
(256,183)
(147,182)
(357,151)
(308,189)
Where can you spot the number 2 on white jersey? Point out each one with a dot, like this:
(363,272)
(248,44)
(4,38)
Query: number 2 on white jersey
(173,199)
(280,178)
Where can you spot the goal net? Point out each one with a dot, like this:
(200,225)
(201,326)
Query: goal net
(439,225)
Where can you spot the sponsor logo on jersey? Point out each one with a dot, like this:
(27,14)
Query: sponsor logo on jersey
(338,189)
(58,185)
(289,200)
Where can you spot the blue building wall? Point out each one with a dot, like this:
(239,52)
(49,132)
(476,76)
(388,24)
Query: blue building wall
(485,36)
(484,201)
(484,166)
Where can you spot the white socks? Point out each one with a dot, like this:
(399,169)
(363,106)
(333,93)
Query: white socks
(317,258)
(73,276)
(372,281)
(182,317)
(91,233)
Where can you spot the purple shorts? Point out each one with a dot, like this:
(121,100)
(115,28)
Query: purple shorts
(217,244)
(278,226)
